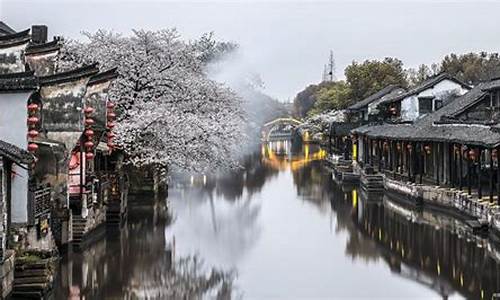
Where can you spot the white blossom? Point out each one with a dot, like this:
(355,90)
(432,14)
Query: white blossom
(169,112)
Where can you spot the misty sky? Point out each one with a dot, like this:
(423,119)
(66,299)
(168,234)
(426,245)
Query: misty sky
(287,42)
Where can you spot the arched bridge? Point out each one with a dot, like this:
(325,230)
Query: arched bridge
(280,128)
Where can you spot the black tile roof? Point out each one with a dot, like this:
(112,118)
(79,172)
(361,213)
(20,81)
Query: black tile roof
(43,48)
(85,71)
(492,85)
(6,29)
(365,102)
(430,127)
(15,153)
(429,83)
(18,38)
(103,76)
(13,82)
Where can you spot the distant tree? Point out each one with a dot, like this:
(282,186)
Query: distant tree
(373,75)
(472,68)
(333,97)
(305,99)
(422,73)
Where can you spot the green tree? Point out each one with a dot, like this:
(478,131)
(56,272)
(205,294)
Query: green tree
(472,68)
(422,73)
(371,76)
(332,97)
(306,99)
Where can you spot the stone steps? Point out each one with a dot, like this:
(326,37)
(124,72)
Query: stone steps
(33,279)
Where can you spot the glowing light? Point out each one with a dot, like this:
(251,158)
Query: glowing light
(354,198)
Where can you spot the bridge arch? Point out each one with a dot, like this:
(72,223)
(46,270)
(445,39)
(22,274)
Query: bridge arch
(271,127)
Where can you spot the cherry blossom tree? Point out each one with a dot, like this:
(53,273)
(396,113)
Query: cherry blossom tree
(170,113)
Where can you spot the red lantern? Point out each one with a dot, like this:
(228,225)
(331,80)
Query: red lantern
(89,133)
(111,135)
(32,120)
(472,154)
(88,110)
(494,154)
(32,147)
(408,146)
(398,146)
(89,144)
(89,155)
(111,116)
(89,122)
(32,107)
(111,125)
(427,149)
(110,144)
(32,133)
(110,105)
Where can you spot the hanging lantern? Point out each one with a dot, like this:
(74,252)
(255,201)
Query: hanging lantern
(89,144)
(32,147)
(398,146)
(111,116)
(88,110)
(494,153)
(89,155)
(89,122)
(472,154)
(110,125)
(111,135)
(32,120)
(33,107)
(32,133)
(89,133)
(408,146)
(110,105)
(427,149)
(110,144)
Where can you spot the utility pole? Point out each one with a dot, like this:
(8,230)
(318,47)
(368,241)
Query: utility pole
(331,67)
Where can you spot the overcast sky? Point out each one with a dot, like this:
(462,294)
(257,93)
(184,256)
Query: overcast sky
(288,42)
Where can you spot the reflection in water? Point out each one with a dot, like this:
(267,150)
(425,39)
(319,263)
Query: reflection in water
(285,229)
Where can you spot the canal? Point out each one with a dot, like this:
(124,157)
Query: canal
(282,228)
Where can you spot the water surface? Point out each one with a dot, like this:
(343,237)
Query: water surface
(288,231)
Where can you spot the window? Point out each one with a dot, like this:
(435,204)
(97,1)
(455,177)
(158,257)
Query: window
(438,104)
(424,105)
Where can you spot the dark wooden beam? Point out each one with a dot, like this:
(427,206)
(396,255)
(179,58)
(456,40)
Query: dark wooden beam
(491,174)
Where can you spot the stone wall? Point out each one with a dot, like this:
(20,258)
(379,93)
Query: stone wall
(456,200)
(7,273)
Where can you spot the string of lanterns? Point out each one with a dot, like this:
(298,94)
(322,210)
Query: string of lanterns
(110,116)
(89,133)
(32,123)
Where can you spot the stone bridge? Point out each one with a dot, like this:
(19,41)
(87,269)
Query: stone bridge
(280,128)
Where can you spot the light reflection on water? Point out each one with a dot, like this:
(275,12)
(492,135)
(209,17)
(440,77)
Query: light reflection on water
(290,232)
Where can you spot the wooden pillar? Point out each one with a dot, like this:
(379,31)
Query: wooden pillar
(408,159)
(436,152)
(491,174)
(460,167)
(379,155)
(478,172)
(469,177)
(498,174)
(451,152)
(357,148)
(422,159)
